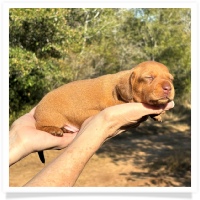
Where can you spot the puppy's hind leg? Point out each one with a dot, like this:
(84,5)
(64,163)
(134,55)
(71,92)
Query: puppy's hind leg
(52,130)
(51,122)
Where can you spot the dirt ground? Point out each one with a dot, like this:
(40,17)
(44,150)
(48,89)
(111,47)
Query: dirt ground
(152,155)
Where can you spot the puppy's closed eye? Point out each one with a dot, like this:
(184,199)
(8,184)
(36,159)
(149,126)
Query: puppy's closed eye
(150,78)
(147,78)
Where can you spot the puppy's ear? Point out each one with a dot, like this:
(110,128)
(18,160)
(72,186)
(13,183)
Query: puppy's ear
(124,88)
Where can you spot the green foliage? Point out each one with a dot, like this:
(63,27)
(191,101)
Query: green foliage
(164,36)
(30,78)
(50,47)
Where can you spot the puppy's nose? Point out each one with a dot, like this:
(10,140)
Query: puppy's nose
(166,88)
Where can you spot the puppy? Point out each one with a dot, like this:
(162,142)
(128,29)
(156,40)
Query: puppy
(67,107)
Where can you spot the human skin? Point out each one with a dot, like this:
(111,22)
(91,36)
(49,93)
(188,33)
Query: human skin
(80,146)
(24,138)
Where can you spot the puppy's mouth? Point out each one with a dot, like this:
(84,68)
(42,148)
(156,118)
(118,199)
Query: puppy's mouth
(160,101)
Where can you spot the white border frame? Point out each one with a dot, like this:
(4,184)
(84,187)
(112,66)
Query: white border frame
(194,5)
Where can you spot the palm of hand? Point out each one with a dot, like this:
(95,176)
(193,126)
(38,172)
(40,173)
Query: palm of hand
(36,140)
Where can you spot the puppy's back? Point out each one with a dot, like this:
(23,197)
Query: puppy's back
(74,102)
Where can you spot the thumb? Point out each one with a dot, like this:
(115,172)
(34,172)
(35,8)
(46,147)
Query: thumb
(170,105)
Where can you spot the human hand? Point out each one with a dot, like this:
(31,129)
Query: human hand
(118,118)
(25,138)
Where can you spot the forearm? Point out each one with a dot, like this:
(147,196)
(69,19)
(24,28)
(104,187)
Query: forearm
(18,147)
(66,168)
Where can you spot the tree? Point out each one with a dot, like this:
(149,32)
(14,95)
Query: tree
(164,35)
(36,52)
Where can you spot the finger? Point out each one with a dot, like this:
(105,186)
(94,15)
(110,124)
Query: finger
(52,142)
(62,142)
(170,105)
(152,109)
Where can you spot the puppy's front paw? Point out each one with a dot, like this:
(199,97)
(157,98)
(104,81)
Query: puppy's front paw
(156,118)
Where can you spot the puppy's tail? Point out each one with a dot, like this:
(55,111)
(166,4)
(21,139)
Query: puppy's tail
(41,156)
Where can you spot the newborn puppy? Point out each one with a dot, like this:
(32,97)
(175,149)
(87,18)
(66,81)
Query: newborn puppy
(67,107)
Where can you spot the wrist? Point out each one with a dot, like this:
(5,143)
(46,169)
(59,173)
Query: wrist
(110,124)
(17,149)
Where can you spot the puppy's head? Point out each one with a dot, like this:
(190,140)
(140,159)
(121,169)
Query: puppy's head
(150,82)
